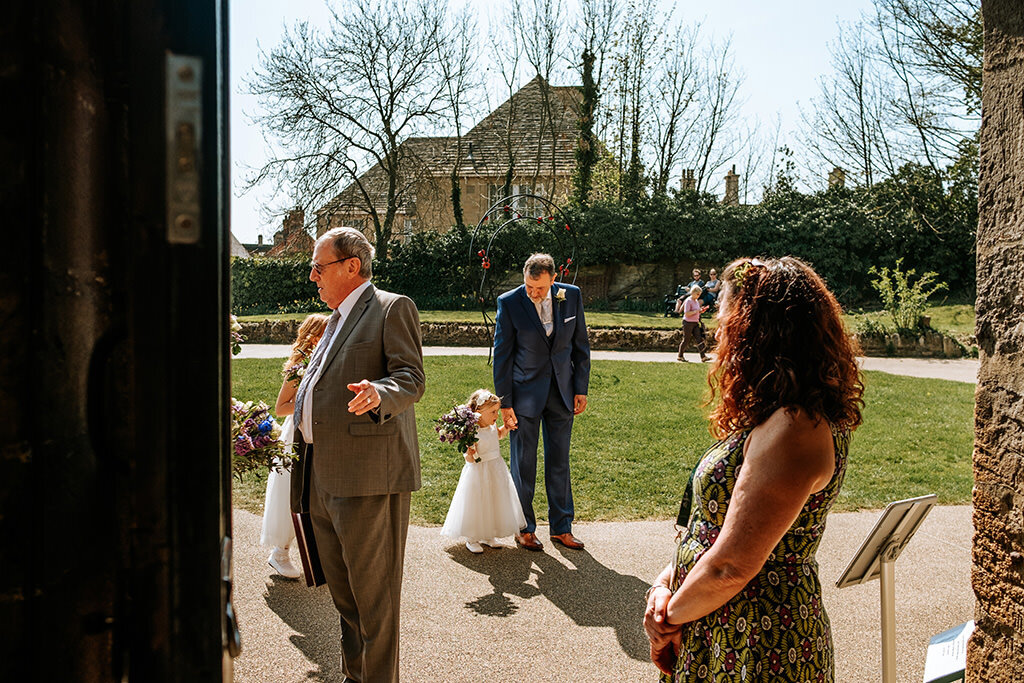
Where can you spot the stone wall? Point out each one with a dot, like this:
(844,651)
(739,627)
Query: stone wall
(996,649)
(929,345)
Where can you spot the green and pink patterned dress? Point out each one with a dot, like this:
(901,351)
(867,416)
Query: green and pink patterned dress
(776,628)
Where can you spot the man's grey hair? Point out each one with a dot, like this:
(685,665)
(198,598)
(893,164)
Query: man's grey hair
(351,242)
(538,264)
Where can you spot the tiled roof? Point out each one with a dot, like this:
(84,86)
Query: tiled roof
(531,148)
(417,154)
(530,145)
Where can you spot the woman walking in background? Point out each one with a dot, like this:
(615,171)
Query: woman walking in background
(691,309)
(278,532)
(741,600)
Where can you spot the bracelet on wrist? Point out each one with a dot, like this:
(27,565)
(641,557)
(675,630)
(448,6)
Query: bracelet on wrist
(647,595)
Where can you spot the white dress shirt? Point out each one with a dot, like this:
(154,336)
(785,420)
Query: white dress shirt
(344,310)
(544,312)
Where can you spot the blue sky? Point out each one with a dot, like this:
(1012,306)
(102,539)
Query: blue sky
(781,46)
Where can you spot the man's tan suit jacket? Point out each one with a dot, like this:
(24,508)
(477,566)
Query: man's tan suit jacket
(375,453)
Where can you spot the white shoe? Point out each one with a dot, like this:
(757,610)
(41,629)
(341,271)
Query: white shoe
(474,547)
(493,543)
(282,565)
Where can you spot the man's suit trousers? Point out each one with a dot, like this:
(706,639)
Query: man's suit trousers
(361,540)
(555,422)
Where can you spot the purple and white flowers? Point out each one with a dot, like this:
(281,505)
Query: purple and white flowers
(458,427)
(294,373)
(235,331)
(255,439)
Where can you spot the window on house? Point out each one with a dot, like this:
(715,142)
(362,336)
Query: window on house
(527,206)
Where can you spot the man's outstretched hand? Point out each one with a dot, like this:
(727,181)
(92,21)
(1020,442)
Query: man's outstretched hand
(366,398)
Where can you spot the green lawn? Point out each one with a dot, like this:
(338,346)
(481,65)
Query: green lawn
(643,429)
(957,319)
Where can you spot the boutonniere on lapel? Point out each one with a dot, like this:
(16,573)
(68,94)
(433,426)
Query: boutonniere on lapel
(560,296)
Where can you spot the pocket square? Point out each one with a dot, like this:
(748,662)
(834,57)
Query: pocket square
(569,319)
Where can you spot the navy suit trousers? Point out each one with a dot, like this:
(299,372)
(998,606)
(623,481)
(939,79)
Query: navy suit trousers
(555,422)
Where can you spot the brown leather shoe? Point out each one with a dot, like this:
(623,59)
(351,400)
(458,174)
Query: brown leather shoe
(568,540)
(529,541)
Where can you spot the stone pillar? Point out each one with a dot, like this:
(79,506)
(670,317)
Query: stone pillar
(996,650)
(732,188)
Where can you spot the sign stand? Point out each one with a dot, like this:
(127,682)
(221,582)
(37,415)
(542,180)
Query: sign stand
(877,557)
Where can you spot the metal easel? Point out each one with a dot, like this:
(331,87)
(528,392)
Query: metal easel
(877,557)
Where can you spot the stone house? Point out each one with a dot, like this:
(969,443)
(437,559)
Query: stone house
(540,149)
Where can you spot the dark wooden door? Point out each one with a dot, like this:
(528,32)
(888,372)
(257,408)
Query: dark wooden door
(114,371)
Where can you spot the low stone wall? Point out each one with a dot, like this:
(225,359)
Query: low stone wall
(928,345)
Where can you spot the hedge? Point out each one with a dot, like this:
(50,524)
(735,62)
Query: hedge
(841,231)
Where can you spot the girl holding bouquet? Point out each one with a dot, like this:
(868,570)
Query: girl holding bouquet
(278,532)
(485,506)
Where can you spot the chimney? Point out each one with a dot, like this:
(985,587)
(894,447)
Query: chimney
(688,182)
(293,222)
(732,188)
(837,178)
(259,240)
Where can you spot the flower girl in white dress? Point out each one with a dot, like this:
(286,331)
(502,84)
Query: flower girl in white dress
(277,532)
(485,506)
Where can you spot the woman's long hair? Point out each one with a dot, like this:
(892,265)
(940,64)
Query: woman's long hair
(781,343)
(310,331)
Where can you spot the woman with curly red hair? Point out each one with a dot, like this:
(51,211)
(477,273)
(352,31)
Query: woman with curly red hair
(741,601)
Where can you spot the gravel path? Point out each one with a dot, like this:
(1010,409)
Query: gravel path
(570,616)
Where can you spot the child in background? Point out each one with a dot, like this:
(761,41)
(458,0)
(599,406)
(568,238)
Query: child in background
(691,309)
(485,506)
(278,531)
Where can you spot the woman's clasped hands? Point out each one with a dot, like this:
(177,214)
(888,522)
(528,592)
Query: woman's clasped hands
(665,637)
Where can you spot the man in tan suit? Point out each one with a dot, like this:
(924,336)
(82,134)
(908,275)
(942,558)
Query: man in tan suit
(356,428)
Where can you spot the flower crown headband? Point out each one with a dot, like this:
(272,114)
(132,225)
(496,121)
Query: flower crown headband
(486,397)
(739,275)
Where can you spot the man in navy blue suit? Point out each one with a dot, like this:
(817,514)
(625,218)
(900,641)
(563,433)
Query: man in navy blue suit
(541,373)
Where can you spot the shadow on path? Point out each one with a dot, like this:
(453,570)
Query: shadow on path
(307,610)
(589,593)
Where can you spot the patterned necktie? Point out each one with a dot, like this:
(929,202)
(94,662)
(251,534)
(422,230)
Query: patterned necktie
(314,364)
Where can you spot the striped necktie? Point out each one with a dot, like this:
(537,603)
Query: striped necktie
(314,365)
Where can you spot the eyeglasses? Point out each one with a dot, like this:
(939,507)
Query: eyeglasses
(319,267)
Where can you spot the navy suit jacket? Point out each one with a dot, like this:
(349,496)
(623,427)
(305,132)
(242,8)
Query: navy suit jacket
(526,360)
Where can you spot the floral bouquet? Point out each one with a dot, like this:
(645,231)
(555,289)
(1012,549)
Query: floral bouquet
(458,426)
(236,335)
(295,373)
(255,439)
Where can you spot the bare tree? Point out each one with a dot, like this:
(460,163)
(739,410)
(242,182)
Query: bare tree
(756,157)
(674,93)
(636,52)
(844,128)
(717,107)
(541,27)
(507,56)
(905,86)
(599,22)
(457,61)
(943,38)
(341,101)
